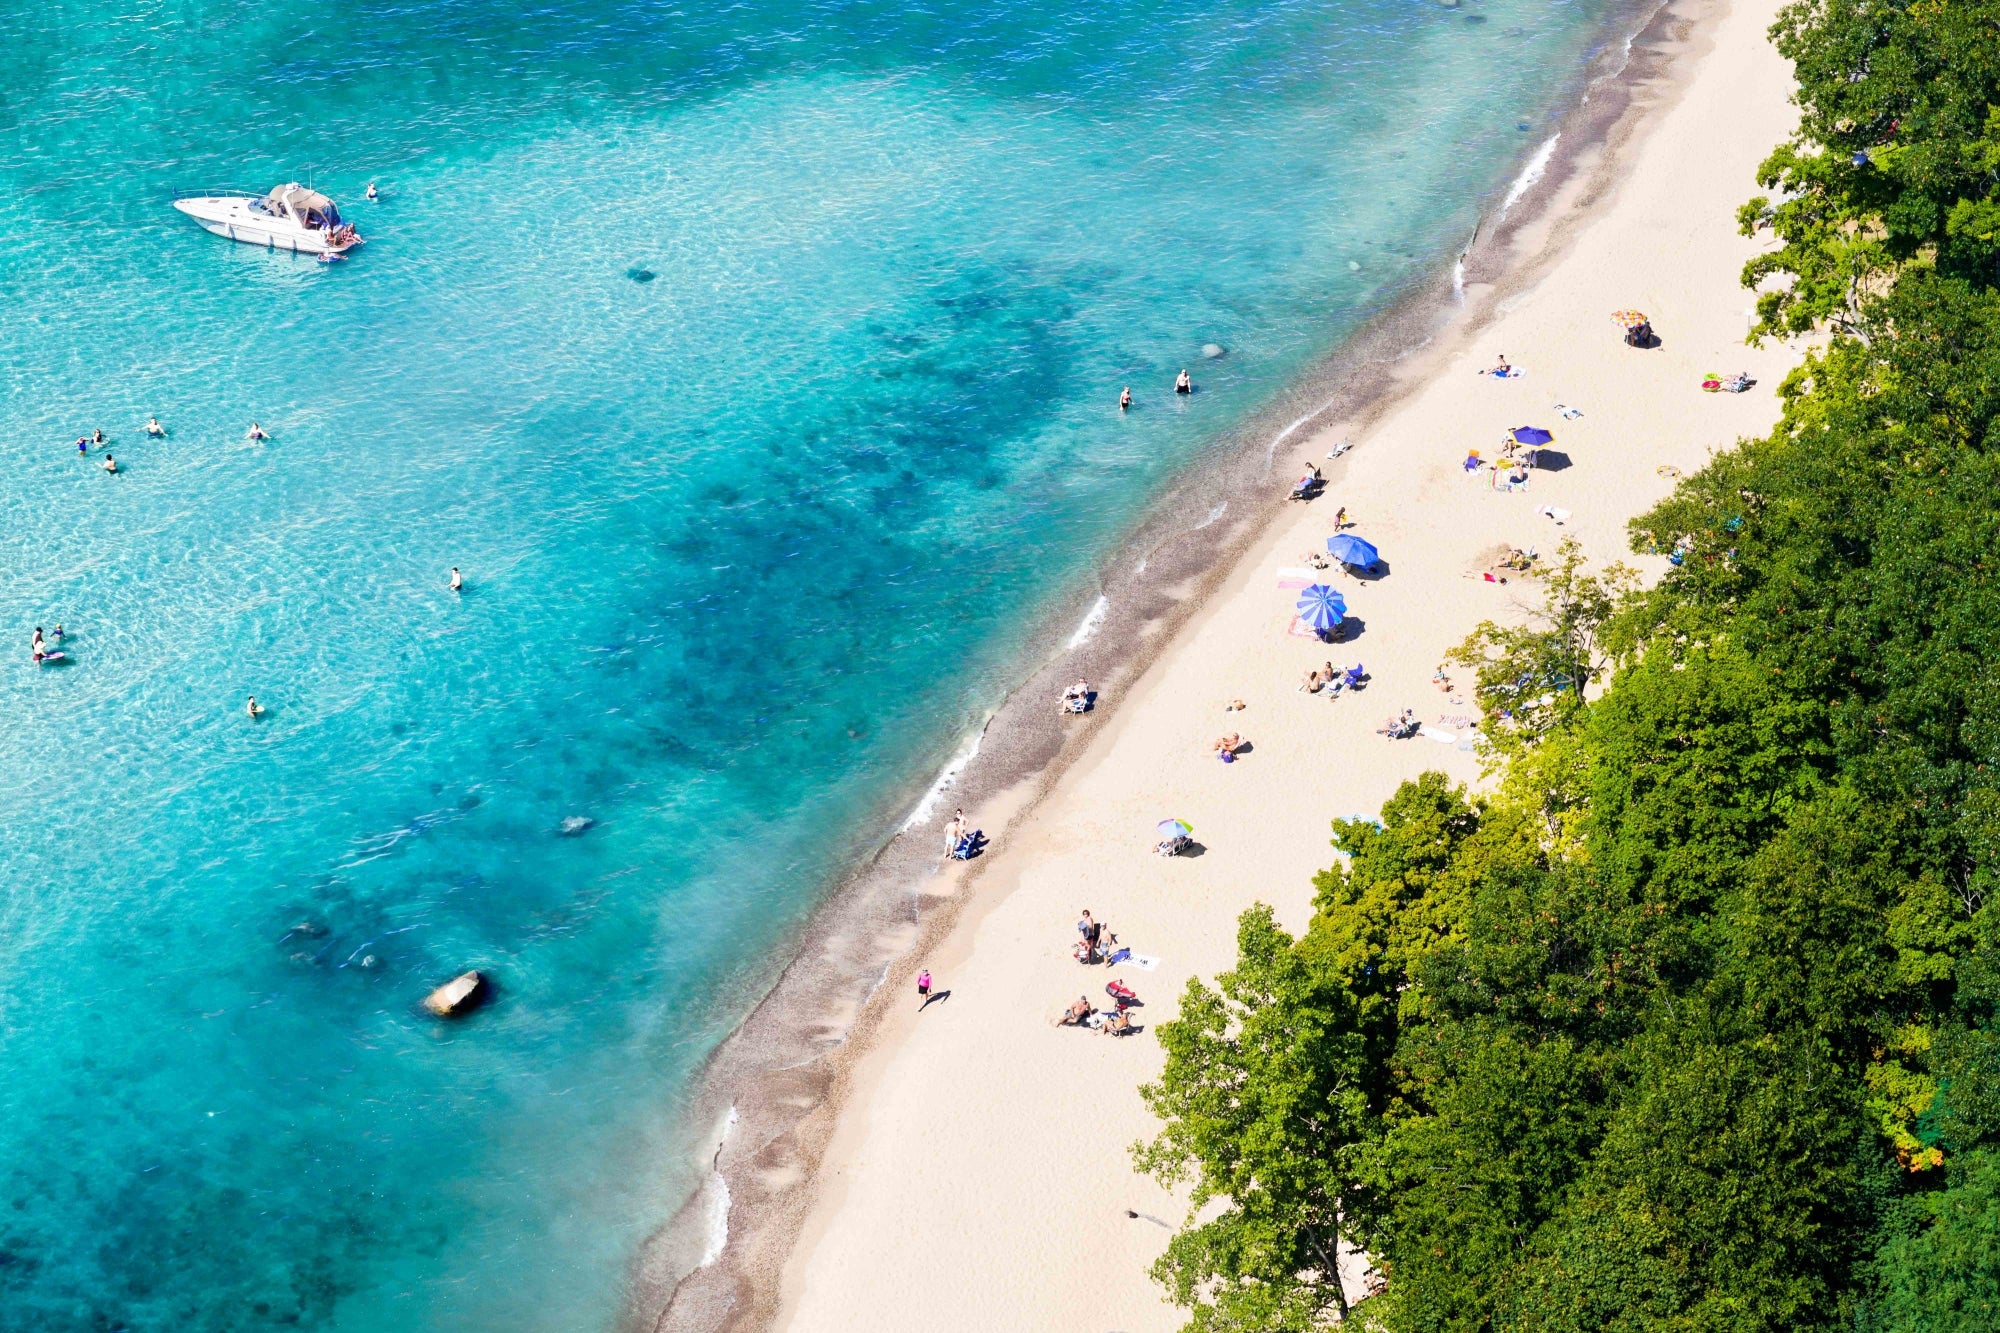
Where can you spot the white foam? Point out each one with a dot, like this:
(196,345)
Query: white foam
(1092,620)
(1531,173)
(1213,515)
(717,1190)
(947,776)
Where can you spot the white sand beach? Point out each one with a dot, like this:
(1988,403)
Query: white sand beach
(979,1175)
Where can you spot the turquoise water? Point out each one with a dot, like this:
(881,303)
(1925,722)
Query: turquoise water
(748,546)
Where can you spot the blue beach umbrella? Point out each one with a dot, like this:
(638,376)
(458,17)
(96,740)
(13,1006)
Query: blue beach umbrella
(1532,435)
(1322,607)
(1351,550)
(1175,828)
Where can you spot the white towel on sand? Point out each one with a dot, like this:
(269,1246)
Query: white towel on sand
(1441,735)
(1144,962)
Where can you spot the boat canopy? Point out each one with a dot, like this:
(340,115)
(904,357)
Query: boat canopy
(308,207)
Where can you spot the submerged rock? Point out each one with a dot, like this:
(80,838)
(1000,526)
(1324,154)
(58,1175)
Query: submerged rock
(461,995)
(575,824)
(1214,351)
(640,274)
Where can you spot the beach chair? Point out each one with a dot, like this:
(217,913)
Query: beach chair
(1354,677)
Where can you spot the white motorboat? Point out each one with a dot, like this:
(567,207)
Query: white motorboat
(289,217)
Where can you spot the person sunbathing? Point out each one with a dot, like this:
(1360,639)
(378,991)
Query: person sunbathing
(1076,1013)
(1116,1025)
(1226,747)
(1311,683)
(1500,366)
(1439,679)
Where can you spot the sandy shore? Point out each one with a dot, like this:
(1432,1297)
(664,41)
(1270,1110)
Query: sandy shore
(978,1175)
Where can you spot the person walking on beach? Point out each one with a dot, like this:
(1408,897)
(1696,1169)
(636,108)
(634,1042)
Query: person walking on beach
(1340,518)
(1183,384)
(457,583)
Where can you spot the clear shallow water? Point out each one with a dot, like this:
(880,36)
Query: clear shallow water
(749,546)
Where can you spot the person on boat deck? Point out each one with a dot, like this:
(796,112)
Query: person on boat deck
(154,428)
(1182,384)
(256,432)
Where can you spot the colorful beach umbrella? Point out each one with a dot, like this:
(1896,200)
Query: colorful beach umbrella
(1322,607)
(1351,550)
(1175,828)
(1532,435)
(1631,319)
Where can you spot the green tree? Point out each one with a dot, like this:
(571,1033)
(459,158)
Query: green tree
(1266,1110)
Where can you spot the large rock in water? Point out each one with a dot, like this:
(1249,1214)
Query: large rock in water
(461,995)
(1213,350)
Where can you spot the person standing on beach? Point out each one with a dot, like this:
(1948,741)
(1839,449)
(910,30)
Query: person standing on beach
(923,987)
(954,832)
(1340,518)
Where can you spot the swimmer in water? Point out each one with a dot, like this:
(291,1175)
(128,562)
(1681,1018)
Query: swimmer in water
(39,649)
(1124,398)
(83,444)
(253,708)
(110,463)
(97,437)
(372,196)
(154,428)
(59,632)
(1182,384)
(256,432)
(457,583)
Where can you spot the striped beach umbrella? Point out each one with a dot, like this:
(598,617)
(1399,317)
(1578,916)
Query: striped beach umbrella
(1322,607)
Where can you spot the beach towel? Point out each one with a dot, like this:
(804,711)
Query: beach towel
(1568,413)
(1439,734)
(1510,373)
(1144,962)
(1550,511)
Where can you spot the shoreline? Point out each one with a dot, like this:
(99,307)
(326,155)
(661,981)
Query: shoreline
(784,1080)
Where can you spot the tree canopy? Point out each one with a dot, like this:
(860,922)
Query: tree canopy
(1692,1022)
